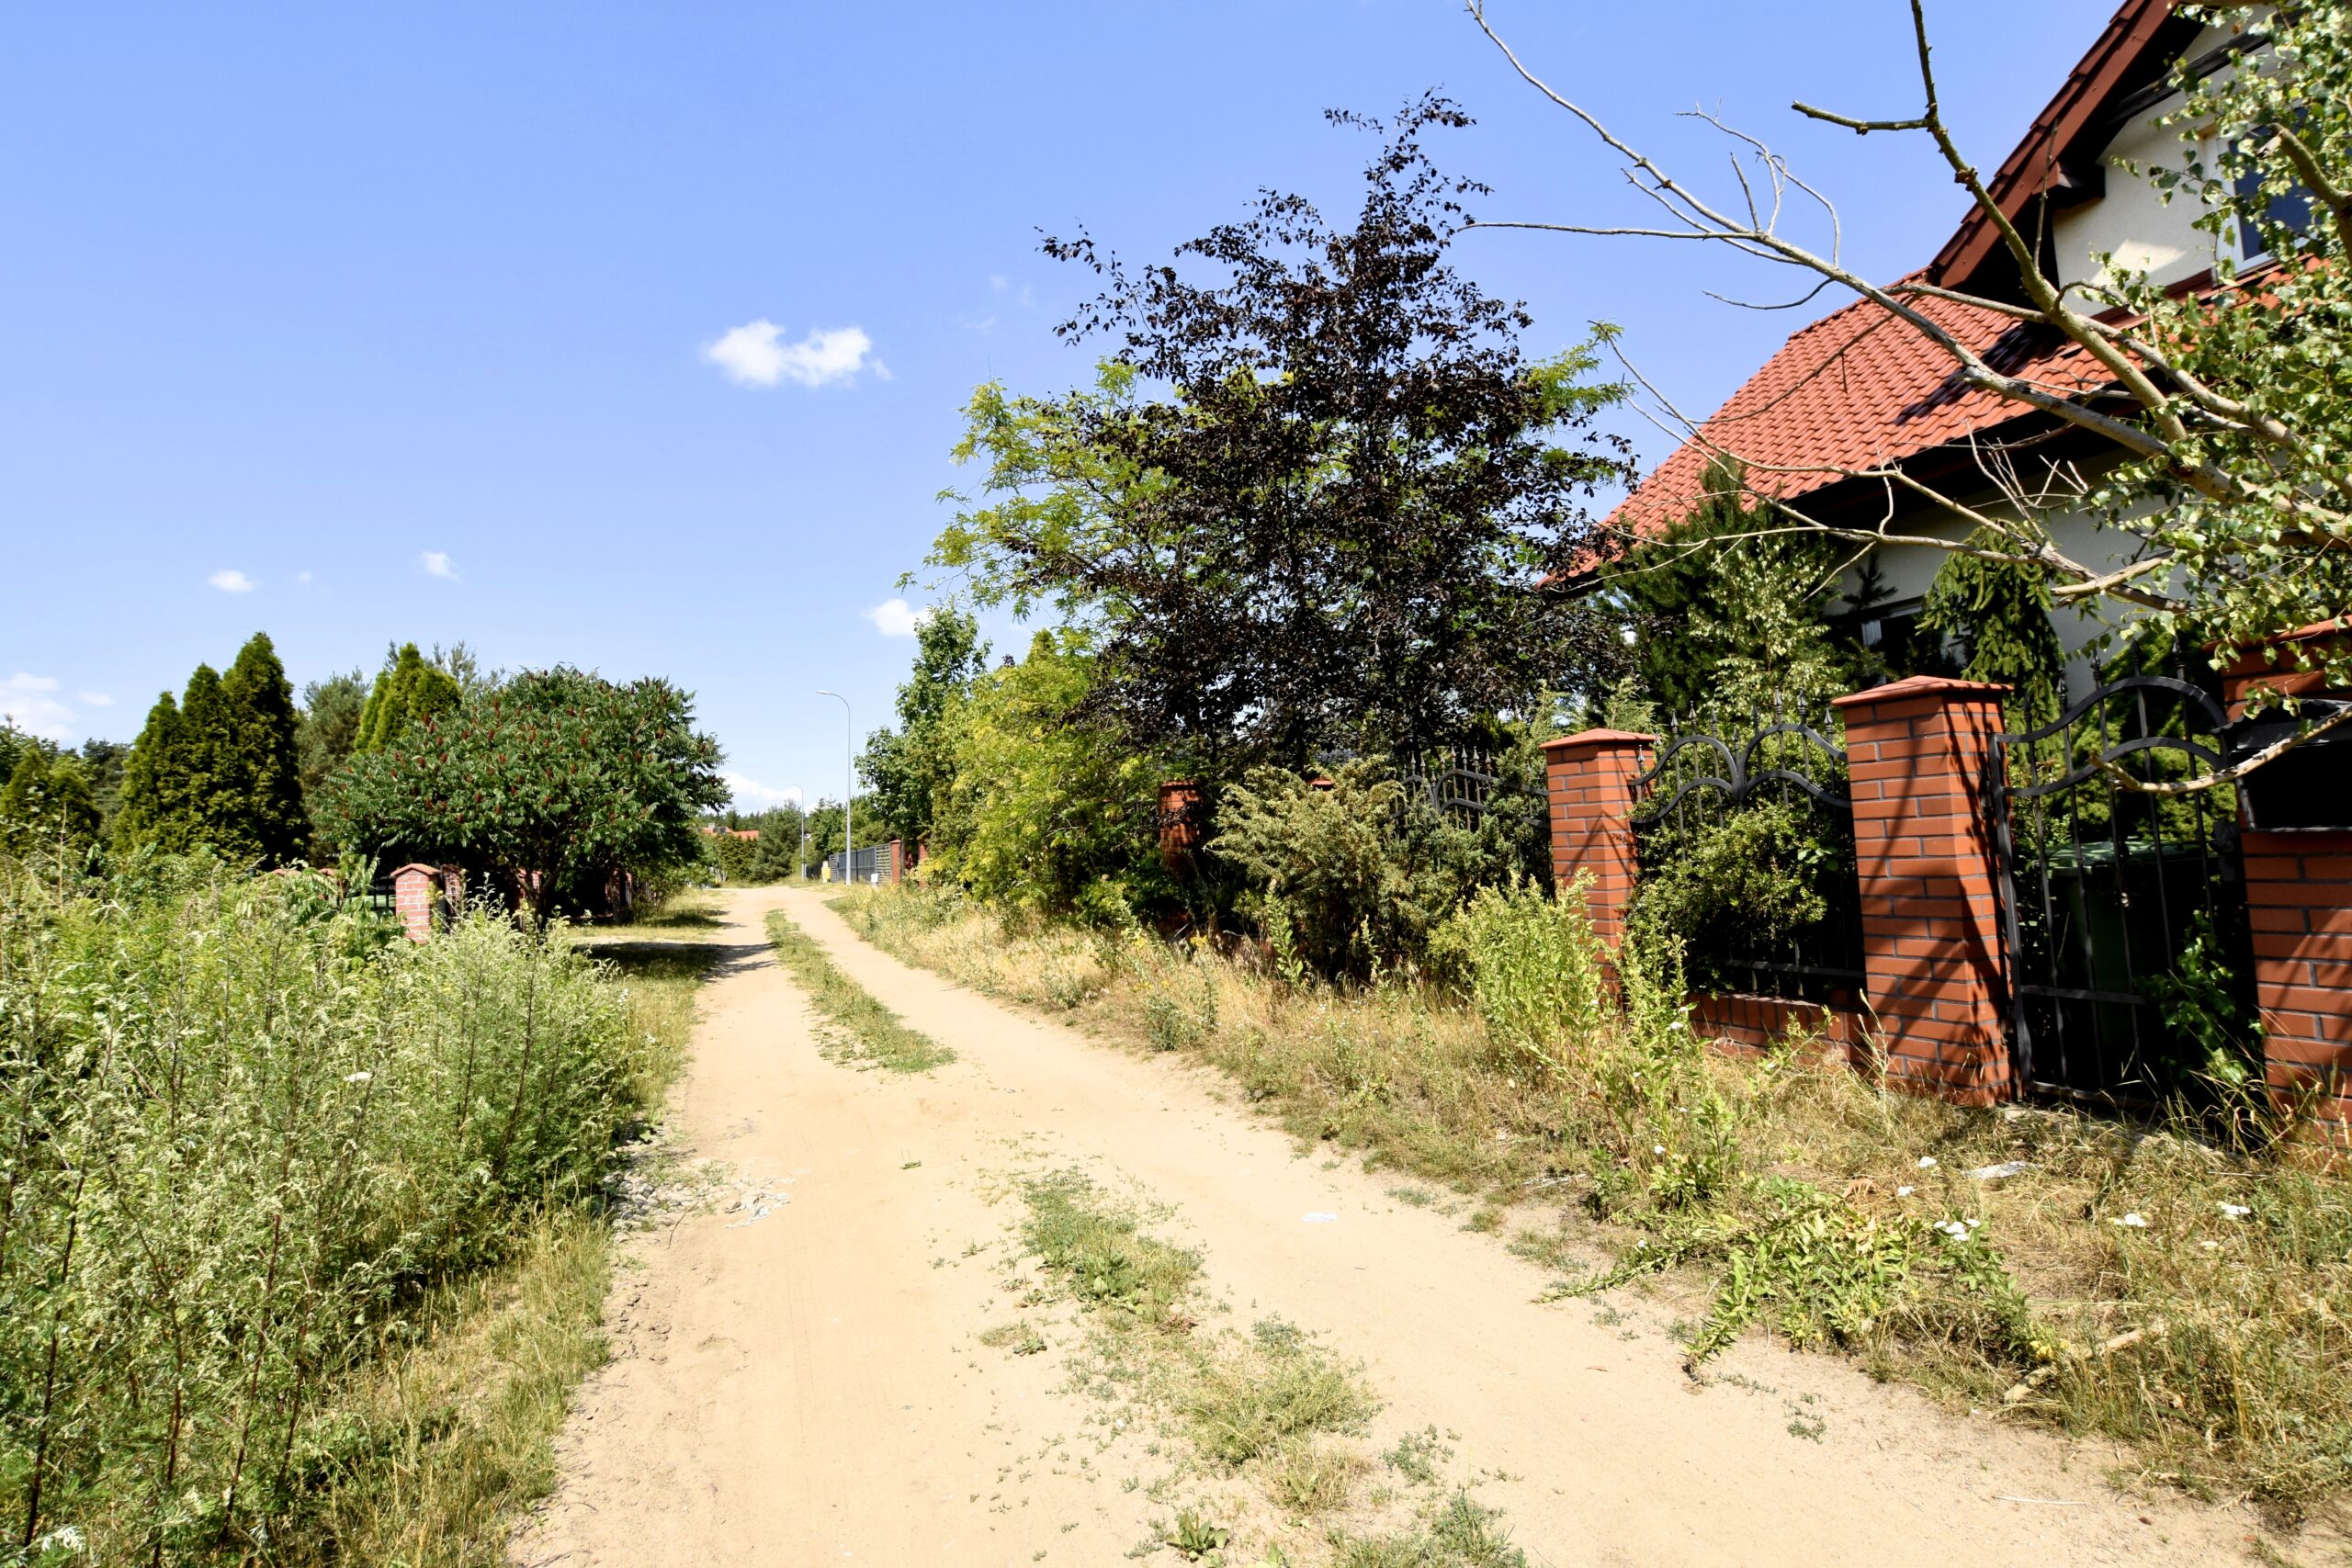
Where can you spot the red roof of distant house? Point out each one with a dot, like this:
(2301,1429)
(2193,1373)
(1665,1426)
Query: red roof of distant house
(1859,389)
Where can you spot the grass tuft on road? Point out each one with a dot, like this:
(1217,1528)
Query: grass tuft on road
(870,1035)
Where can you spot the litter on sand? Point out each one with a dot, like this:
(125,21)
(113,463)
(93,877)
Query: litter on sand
(1320,1219)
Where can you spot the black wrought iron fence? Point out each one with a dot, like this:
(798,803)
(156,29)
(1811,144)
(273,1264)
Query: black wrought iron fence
(2123,912)
(1459,781)
(1747,851)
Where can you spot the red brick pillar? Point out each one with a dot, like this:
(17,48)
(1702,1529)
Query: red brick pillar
(1180,824)
(2298,901)
(897,863)
(1917,752)
(1590,779)
(414,889)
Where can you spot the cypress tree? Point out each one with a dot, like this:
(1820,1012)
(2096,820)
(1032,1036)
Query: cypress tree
(212,805)
(261,807)
(407,688)
(154,781)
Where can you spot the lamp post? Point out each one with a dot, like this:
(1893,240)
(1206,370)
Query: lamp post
(849,774)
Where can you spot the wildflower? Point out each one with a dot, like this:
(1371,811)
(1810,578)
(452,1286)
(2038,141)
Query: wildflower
(361,1077)
(2235,1211)
(1905,1192)
(1926,1162)
(2133,1222)
(1658,1148)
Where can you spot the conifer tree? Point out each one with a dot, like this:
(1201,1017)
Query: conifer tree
(219,769)
(259,799)
(156,781)
(408,689)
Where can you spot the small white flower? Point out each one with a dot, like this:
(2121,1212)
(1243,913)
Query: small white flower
(361,1077)
(2131,1221)
(1658,1148)
(1956,1229)
(1905,1192)
(1926,1162)
(2235,1211)
(1642,1245)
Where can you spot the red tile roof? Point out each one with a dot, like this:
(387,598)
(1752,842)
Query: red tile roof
(1859,388)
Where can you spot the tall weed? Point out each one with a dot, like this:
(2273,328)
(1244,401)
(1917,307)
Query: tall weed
(245,1137)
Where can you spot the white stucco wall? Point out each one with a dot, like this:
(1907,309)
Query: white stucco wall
(2131,221)
(1908,570)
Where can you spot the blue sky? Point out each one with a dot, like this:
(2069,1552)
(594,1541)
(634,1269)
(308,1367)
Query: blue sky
(635,336)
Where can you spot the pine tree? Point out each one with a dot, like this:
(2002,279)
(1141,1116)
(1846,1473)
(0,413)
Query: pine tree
(261,804)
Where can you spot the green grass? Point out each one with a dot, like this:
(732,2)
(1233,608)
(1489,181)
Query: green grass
(1463,1534)
(439,1448)
(870,1035)
(1101,1258)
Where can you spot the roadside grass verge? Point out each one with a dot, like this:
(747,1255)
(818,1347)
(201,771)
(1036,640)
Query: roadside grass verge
(1270,1411)
(2137,1281)
(868,1034)
(438,1448)
(307,1230)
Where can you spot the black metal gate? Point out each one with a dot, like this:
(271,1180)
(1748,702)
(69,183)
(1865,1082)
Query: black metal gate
(1698,788)
(2117,904)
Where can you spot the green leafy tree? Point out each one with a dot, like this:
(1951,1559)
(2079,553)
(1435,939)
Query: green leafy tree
(550,784)
(909,769)
(408,690)
(1729,617)
(1045,814)
(158,781)
(329,730)
(1318,496)
(45,802)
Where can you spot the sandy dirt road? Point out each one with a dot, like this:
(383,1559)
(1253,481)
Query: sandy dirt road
(806,1386)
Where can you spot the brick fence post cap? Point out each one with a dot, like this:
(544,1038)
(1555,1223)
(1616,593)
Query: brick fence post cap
(1921,686)
(1600,738)
(418,865)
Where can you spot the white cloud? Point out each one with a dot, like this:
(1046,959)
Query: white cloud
(95,699)
(436,564)
(896,617)
(752,793)
(302,577)
(231,582)
(753,355)
(26,702)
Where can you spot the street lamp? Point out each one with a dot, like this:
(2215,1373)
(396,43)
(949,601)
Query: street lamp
(849,772)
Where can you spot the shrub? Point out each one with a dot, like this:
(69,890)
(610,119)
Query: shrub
(1531,965)
(1338,889)
(247,1134)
